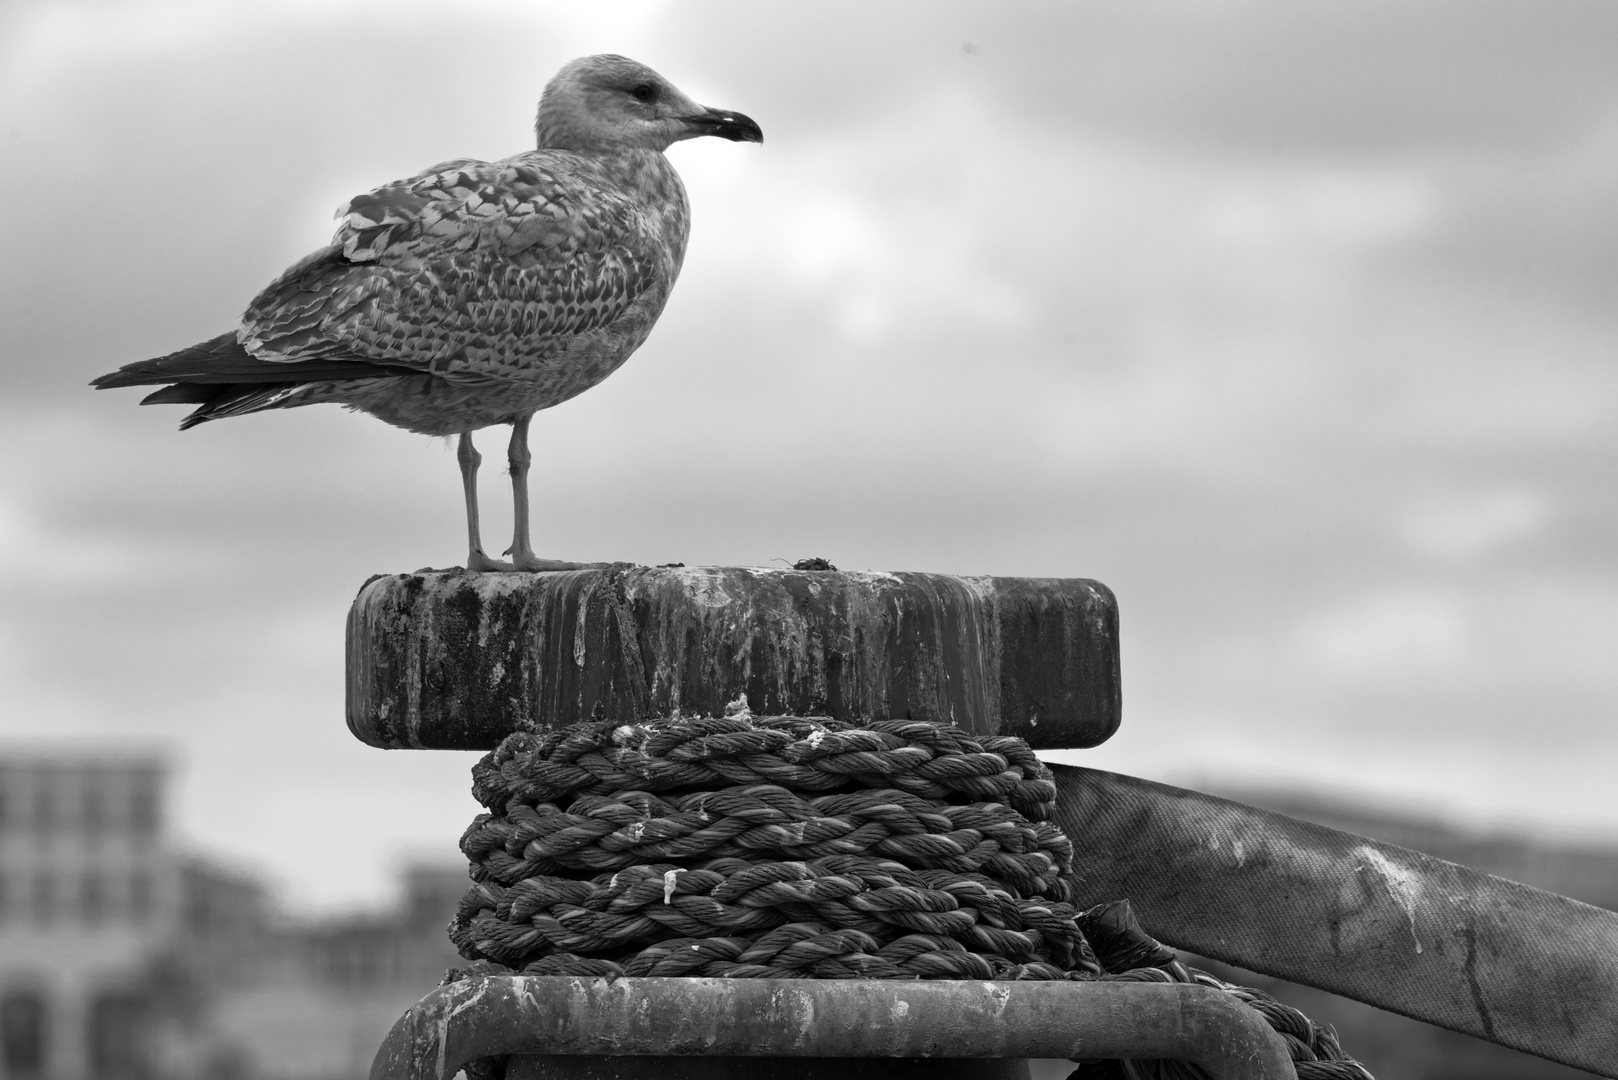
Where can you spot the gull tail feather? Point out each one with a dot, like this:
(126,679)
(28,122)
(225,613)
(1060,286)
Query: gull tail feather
(224,379)
(223,360)
(234,400)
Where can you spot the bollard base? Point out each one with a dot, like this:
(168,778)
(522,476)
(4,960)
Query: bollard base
(580,1067)
(835,1028)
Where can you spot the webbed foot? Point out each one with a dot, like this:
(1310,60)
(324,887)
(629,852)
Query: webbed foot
(528,561)
(479,563)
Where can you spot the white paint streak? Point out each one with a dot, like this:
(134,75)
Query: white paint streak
(578,637)
(1238,847)
(1401,885)
(444,1022)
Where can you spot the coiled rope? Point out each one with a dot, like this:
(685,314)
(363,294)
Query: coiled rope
(791,847)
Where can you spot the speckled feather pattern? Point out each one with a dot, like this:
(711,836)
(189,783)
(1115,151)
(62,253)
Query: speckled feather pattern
(510,286)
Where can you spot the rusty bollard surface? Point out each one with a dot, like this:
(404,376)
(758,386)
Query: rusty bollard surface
(812,1029)
(454,660)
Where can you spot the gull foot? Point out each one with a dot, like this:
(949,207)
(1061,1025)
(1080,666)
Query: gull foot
(479,563)
(528,561)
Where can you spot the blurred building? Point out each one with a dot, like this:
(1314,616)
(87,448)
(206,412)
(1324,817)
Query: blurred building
(319,1008)
(88,891)
(124,958)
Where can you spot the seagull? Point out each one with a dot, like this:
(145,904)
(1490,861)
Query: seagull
(475,293)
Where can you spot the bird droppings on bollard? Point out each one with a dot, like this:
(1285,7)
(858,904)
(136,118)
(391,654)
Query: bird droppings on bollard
(459,661)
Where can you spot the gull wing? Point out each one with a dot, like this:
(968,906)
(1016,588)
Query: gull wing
(474,268)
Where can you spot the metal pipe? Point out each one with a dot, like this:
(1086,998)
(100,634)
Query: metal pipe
(492,1015)
(1378,923)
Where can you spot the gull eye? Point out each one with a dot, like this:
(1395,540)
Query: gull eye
(644,92)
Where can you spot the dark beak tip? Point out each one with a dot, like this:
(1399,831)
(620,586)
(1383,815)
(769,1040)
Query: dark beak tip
(729,125)
(745,130)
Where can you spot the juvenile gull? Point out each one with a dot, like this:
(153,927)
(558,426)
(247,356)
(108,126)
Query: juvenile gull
(476,293)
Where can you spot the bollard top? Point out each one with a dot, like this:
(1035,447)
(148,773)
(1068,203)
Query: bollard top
(457,660)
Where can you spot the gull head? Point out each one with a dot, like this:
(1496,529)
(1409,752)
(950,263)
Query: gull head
(612,103)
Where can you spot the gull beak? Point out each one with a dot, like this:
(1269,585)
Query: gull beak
(725,124)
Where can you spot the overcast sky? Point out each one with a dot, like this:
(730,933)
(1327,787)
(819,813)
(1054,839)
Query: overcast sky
(1294,324)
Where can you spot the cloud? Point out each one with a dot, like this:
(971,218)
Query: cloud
(1392,635)
(1460,526)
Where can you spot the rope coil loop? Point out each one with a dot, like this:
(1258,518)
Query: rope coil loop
(924,759)
(801,848)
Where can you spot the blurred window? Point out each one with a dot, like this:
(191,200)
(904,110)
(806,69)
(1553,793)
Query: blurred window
(143,808)
(22,1034)
(117,1046)
(94,806)
(140,897)
(44,899)
(93,899)
(44,805)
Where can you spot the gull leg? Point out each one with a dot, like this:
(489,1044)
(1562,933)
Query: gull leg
(470,459)
(521,551)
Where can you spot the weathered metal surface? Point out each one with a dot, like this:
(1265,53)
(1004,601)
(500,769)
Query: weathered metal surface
(452,660)
(837,1018)
(577,1067)
(1384,925)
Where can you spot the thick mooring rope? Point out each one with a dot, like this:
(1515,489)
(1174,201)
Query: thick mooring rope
(765,821)
(790,847)
(929,760)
